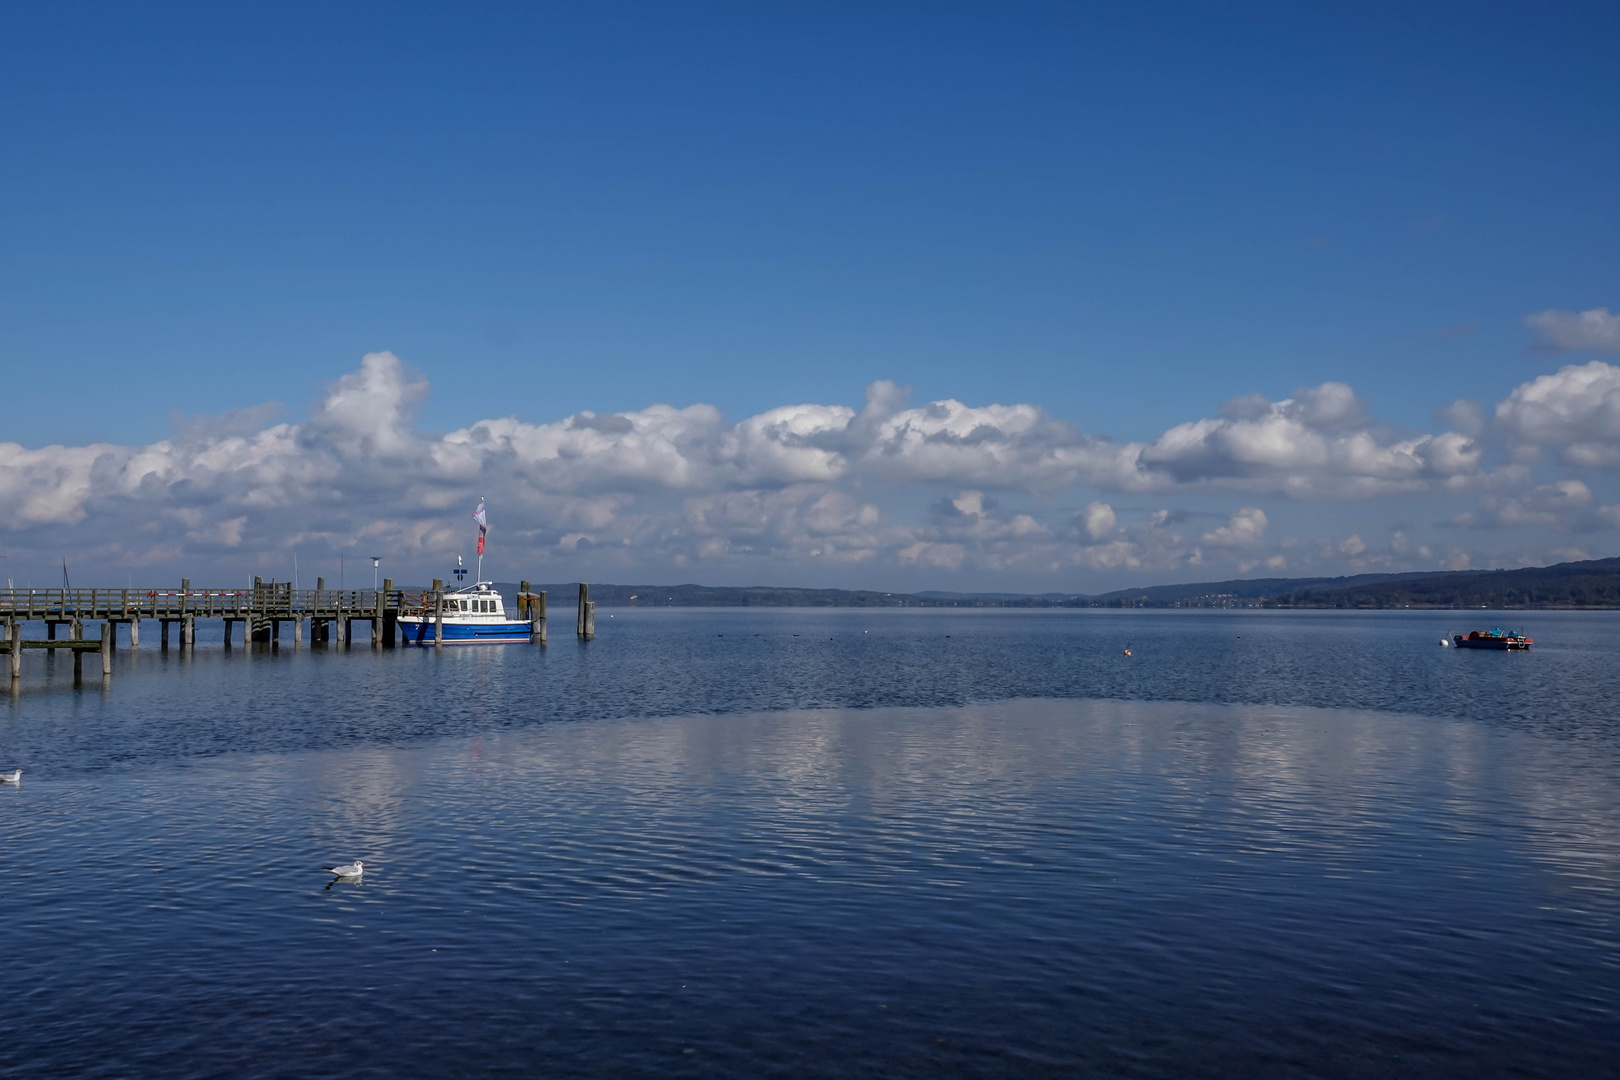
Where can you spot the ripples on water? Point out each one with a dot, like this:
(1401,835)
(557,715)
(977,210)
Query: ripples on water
(1291,885)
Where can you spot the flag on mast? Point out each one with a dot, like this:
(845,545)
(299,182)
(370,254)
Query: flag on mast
(483,525)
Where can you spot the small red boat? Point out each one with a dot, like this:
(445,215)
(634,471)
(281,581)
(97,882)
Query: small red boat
(1492,639)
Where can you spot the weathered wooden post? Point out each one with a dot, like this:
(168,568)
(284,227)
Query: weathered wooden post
(188,626)
(298,632)
(438,612)
(376,619)
(537,617)
(16,649)
(579,615)
(135,632)
(107,635)
(390,614)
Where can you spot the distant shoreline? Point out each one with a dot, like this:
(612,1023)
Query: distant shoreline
(1592,585)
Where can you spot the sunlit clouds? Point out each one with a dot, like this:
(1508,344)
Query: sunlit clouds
(941,487)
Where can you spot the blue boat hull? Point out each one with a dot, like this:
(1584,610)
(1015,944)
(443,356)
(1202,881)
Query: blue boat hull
(460,633)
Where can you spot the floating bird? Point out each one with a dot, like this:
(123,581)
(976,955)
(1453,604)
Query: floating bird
(12,777)
(347,870)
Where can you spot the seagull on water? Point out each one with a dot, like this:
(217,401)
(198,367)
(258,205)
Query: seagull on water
(12,777)
(347,870)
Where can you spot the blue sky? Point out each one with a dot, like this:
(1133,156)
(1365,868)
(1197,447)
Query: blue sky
(1124,217)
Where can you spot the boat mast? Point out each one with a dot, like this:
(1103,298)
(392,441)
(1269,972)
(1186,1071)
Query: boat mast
(479,577)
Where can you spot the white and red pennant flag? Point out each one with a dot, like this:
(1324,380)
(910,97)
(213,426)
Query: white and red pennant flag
(483,525)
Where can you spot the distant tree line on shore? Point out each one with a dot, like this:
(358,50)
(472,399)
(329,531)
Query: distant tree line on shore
(1589,584)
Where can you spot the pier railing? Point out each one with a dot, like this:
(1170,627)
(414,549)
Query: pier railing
(263,602)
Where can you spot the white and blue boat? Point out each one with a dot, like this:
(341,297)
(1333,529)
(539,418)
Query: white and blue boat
(472,615)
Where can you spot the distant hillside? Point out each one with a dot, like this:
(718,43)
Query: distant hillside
(728,596)
(1592,584)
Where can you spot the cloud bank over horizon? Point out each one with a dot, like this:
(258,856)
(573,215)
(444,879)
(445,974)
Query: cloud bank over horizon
(913,495)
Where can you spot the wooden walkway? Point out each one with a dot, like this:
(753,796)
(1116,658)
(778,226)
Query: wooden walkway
(261,609)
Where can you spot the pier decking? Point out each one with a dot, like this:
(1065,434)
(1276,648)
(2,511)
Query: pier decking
(262,609)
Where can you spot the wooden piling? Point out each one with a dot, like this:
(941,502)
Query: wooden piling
(188,632)
(390,614)
(15,642)
(135,633)
(438,612)
(108,634)
(537,617)
(298,632)
(584,607)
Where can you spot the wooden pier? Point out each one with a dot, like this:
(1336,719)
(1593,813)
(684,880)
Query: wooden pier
(262,610)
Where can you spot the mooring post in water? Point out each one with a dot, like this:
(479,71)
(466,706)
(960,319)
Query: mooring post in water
(107,634)
(390,614)
(583,631)
(537,617)
(135,632)
(319,628)
(438,612)
(15,642)
(298,632)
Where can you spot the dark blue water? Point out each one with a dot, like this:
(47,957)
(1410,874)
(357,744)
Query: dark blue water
(827,843)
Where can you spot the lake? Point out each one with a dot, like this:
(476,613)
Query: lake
(828,842)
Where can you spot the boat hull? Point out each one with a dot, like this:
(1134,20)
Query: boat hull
(419,631)
(1498,644)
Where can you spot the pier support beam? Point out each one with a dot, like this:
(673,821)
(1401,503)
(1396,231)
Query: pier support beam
(188,632)
(109,634)
(438,612)
(134,633)
(14,646)
(298,632)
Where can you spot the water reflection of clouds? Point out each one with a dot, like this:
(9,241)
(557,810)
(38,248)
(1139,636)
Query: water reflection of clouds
(878,797)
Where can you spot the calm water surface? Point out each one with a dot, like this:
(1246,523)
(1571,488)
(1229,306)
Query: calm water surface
(827,843)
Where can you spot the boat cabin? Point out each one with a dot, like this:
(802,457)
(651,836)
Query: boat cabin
(486,603)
